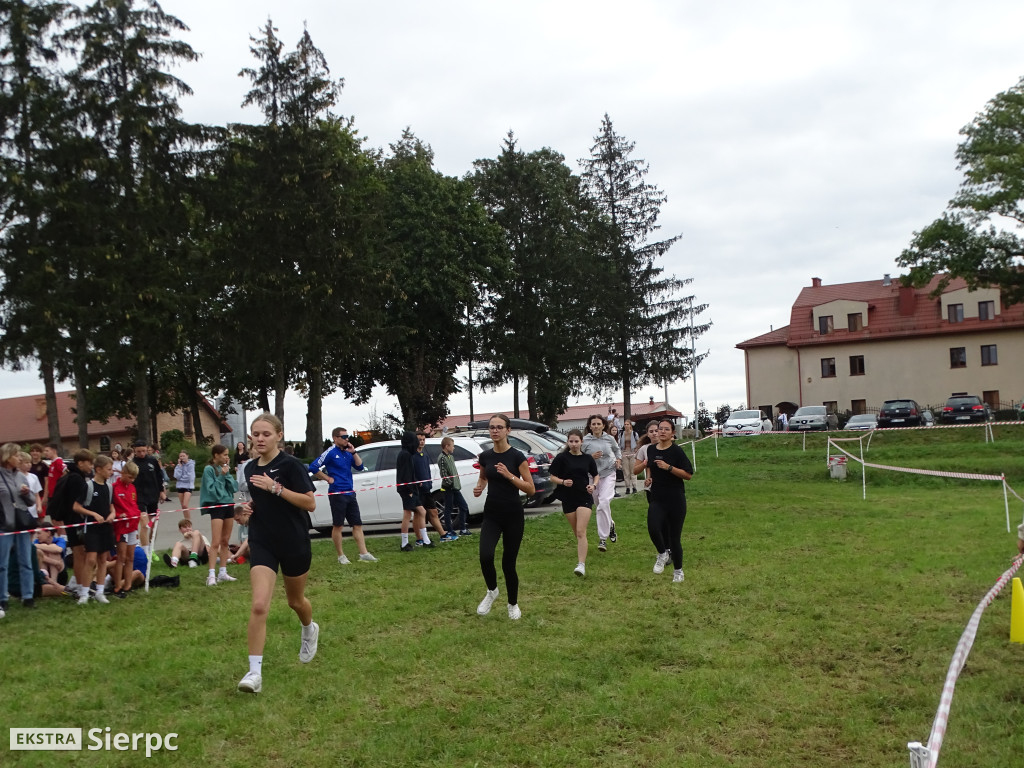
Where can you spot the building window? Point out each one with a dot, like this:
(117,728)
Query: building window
(855,321)
(991,397)
(957,357)
(856,365)
(831,406)
(955,313)
(828,367)
(988,355)
(858,406)
(986,310)
(104,444)
(825,324)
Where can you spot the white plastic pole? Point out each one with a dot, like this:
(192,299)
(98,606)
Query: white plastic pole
(693,450)
(152,546)
(1006,502)
(863,471)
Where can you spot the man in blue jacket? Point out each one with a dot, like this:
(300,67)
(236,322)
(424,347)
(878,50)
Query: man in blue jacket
(335,465)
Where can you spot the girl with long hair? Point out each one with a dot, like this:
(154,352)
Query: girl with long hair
(282,495)
(575,474)
(216,497)
(608,456)
(504,472)
(669,467)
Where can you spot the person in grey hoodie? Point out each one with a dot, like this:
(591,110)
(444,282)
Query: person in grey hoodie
(14,492)
(606,452)
(410,492)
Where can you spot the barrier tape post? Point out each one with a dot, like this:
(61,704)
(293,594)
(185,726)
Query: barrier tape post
(863,472)
(805,441)
(152,547)
(693,450)
(1006,503)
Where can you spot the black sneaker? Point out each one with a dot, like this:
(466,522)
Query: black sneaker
(428,544)
(3,606)
(465,532)
(167,561)
(30,603)
(612,537)
(120,594)
(408,548)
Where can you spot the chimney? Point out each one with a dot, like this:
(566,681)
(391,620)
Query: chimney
(907,300)
(886,280)
(652,399)
(816,282)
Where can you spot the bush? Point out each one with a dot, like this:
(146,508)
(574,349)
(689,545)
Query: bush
(170,437)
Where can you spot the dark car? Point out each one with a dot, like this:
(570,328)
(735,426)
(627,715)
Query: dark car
(539,456)
(961,409)
(901,413)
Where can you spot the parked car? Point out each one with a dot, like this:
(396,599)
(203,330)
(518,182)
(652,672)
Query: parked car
(928,417)
(900,413)
(745,423)
(960,409)
(379,503)
(810,417)
(862,421)
(539,454)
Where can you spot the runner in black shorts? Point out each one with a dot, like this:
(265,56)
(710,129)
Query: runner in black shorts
(575,474)
(282,495)
(96,505)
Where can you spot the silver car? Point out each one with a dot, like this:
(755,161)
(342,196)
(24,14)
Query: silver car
(811,417)
(863,422)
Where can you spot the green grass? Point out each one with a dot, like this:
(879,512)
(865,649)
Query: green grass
(813,628)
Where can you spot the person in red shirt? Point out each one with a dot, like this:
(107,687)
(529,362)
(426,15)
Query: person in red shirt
(126,527)
(52,454)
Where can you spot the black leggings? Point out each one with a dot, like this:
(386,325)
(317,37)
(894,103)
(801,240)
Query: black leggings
(660,543)
(670,514)
(510,524)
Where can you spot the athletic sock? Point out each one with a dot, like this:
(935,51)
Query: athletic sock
(174,561)
(423,535)
(213,571)
(223,570)
(405,539)
(256,664)
(307,629)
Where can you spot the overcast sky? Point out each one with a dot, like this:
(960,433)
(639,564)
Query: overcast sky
(793,139)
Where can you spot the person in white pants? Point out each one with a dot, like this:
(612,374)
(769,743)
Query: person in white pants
(608,456)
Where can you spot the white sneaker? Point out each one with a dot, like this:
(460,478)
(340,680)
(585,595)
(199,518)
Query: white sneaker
(211,580)
(677,575)
(225,576)
(602,545)
(2,614)
(193,563)
(308,648)
(485,605)
(83,597)
(514,613)
(660,562)
(366,557)
(342,560)
(251,683)
(99,597)
(580,569)
(108,582)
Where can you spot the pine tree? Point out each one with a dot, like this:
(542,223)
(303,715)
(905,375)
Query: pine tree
(646,322)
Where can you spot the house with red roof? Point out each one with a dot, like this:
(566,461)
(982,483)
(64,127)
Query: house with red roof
(852,346)
(23,420)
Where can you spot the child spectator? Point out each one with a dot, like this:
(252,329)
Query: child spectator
(56,470)
(126,527)
(452,487)
(192,543)
(36,508)
(185,482)
(95,504)
(50,551)
(242,514)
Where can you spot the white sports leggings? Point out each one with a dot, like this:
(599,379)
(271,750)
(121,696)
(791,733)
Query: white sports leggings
(604,494)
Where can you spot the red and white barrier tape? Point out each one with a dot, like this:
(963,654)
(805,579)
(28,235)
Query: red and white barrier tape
(912,471)
(957,664)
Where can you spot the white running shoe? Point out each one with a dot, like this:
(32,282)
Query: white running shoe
(211,580)
(251,683)
(366,557)
(660,562)
(677,575)
(514,613)
(193,563)
(83,597)
(485,605)
(342,560)
(99,597)
(580,569)
(308,648)
(225,576)
(602,545)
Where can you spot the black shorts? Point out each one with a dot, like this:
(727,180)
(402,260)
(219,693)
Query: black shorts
(76,533)
(571,505)
(220,512)
(184,490)
(426,500)
(293,559)
(344,506)
(410,497)
(149,509)
(99,537)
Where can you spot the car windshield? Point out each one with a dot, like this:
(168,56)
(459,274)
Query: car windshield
(955,401)
(892,405)
(811,410)
(861,418)
(745,415)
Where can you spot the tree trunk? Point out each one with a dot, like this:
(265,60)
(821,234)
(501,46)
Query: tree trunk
(142,415)
(81,408)
(49,387)
(263,399)
(315,413)
(280,388)
(531,399)
(153,427)
(515,395)
(197,423)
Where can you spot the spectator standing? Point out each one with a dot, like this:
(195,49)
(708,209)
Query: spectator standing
(241,455)
(451,485)
(335,466)
(115,455)
(39,468)
(409,490)
(628,445)
(25,466)
(126,527)
(421,467)
(14,493)
(216,497)
(150,486)
(56,470)
(96,506)
(185,482)
(599,444)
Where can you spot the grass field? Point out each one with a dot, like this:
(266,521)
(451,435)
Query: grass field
(813,628)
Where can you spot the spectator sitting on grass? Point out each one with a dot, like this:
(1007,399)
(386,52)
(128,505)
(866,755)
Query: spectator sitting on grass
(193,544)
(241,552)
(50,551)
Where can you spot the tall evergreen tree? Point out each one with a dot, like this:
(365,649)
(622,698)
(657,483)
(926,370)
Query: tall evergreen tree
(647,324)
(549,226)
